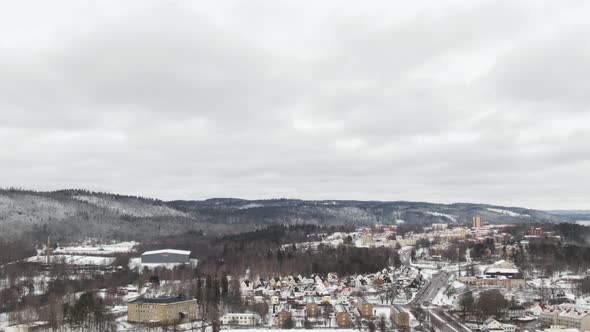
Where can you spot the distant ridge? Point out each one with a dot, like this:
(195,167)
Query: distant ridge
(77,213)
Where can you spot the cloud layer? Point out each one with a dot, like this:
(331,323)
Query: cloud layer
(485,102)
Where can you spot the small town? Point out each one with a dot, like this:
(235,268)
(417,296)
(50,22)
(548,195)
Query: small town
(289,165)
(442,277)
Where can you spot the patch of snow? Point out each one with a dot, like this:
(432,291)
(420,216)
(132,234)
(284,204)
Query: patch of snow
(457,284)
(106,249)
(508,213)
(438,214)
(135,263)
(250,206)
(131,207)
(74,260)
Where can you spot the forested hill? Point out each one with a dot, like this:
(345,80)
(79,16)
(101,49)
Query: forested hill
(72,214)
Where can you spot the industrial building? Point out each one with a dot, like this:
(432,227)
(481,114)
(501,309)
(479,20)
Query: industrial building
(165,256)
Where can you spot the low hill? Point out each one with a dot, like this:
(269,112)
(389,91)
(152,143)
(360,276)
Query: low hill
(75,214)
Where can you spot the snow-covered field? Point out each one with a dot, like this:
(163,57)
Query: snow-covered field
(74,259)
(131,207)
(135,263)
(3,320)
(103,249)
(282,330)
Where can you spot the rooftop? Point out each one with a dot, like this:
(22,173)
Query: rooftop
(162,300)
(167,251)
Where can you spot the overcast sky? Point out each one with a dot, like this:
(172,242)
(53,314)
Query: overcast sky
(443,101)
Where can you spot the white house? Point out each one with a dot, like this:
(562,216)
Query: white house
(535,310)
(239,319)
(274,300)
(509,327)
(493,325)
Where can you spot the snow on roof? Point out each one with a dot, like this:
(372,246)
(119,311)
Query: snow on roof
(574,313)
(489,321)
(167,251)
(500,270)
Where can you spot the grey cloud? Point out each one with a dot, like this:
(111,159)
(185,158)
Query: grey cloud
(550,73)
(326,101)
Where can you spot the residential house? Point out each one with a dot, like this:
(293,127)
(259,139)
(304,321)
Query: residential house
(239,319)
(509,327)
(535,310)
(493,325)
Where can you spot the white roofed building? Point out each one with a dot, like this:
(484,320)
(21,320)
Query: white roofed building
(575,317)
(165,256)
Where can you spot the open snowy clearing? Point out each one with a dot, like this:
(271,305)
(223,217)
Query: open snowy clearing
(74,260)
(104,249)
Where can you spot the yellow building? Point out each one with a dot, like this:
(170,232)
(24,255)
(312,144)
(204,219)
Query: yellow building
(478,222)
(402,320)
(366,310)
(312,310)
(343,319)
(162,310)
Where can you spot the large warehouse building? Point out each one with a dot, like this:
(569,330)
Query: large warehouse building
(165,256)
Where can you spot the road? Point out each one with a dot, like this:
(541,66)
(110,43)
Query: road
(442,320)
(405,256)
(450,321)
(428,293)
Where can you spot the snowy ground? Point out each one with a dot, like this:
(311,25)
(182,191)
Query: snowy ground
(104,249)
(74,260)
(135,263)
(282,330)
(3,320)
(438,214)
(508,213)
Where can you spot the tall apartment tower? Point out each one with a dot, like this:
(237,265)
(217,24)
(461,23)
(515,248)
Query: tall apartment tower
(478,221)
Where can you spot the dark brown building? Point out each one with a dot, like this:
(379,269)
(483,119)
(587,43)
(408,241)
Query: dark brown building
(312,310)
(283,318)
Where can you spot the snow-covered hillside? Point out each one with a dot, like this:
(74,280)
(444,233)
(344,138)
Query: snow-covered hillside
(508,213)
(130,207)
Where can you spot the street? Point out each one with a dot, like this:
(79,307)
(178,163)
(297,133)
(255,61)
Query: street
(441,320)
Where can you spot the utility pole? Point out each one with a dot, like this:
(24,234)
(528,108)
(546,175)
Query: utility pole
(458,262)
(48,251)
